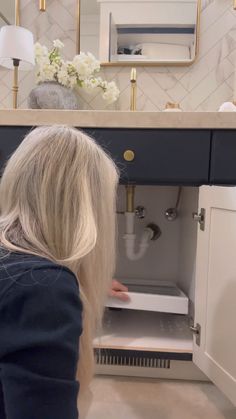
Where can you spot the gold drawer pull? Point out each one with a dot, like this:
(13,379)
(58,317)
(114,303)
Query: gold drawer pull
(129,155)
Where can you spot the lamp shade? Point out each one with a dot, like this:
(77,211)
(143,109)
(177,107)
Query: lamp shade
(16,43)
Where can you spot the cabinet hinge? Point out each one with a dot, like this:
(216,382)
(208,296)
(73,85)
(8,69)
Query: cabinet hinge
(200,218)
(197,332)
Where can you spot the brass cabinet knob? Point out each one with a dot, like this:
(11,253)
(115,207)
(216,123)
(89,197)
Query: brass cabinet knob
(129,155)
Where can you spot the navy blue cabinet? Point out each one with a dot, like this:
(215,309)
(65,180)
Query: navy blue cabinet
(161,156)
(223,158)
(10,138)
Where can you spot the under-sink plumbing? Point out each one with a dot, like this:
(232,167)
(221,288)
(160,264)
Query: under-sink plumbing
(151,231)
(172,213)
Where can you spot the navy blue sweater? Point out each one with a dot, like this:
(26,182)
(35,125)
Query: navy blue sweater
(40,326)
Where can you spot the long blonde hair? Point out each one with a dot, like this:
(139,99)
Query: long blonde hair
(58,201)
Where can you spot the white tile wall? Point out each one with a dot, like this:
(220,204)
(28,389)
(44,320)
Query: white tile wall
(201,87)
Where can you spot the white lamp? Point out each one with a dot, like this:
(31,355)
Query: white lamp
(16,52)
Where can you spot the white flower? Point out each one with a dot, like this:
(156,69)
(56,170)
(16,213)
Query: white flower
(58,44)
(41,52)
(79,72)
(47,72)
(93,62)
(66,75)
(63,77)
(92,83)
(72,82)
(86,65)
(111,93)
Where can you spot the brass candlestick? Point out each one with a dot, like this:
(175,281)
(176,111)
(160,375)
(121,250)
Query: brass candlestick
(133,81)
(15,86)
(17,12)
(78,30)
(42,5)
(172,105)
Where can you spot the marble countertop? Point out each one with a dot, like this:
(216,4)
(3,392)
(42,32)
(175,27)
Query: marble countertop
(119,119)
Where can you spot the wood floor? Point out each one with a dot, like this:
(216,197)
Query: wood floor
(134,398)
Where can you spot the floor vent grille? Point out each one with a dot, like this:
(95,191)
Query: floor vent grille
(110,357)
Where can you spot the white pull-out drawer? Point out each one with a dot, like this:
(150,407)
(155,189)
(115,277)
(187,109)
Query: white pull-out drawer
(151,295)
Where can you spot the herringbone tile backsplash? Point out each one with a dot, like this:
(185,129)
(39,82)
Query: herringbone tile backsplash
(201,87)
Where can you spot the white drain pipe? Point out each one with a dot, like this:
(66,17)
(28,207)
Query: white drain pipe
(130,238)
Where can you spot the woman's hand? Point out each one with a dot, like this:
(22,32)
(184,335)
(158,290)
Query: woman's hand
(118,290)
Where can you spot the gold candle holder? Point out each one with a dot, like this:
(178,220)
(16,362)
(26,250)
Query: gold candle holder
(172,105)
(133,80)
(15,86)
(17,12)
(42,5)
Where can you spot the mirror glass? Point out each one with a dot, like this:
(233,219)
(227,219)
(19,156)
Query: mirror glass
(7,12)
(141,31)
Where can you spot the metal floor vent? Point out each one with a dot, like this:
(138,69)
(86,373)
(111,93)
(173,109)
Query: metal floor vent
(130,359)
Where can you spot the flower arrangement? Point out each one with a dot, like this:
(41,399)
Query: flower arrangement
(81,71)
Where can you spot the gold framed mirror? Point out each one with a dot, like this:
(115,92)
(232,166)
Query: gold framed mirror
(10,13)
(139,32)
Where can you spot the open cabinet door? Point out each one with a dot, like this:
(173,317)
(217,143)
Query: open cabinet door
(215,301)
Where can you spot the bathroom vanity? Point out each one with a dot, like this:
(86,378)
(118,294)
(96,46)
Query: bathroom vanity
(159,152)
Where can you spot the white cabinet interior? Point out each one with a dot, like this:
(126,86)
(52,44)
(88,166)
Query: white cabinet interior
(143,330)
(131,338)
(154,321)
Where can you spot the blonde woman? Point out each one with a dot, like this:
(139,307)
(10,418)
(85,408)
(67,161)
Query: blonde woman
(57,245)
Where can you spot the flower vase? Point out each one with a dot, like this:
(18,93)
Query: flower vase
(52,95)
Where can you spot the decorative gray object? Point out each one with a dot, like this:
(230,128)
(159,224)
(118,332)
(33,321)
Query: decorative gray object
(52,95)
